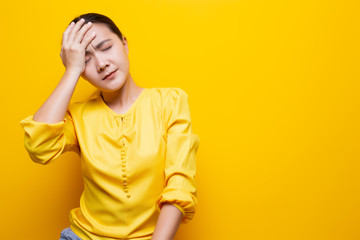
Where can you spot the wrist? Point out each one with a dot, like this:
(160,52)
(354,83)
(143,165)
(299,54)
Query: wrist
(73,72)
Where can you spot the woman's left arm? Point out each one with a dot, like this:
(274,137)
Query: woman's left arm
(168,222)
(178,201)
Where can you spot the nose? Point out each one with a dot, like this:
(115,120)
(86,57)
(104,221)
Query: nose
(101,63)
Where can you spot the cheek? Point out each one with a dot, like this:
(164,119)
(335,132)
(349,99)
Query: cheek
(89,72)
(120,55)
(124,61)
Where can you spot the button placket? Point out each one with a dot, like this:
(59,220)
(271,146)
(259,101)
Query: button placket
(123,151)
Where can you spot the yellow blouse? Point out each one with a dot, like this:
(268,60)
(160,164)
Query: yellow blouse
(131,163)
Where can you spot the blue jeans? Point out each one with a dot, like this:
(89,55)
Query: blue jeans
(68,234)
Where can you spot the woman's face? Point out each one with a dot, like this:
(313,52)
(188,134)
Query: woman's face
(106,59)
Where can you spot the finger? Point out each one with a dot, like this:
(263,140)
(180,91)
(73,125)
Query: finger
(80,35)
(66,32)
(75,29)
(87,40)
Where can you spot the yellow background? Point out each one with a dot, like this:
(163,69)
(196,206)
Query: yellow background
(274,96)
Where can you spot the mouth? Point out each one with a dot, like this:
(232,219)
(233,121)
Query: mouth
(109,75)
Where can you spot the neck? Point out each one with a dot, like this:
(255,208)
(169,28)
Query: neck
(122,99)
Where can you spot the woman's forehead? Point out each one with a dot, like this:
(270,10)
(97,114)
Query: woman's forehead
(103,35)
(93,45)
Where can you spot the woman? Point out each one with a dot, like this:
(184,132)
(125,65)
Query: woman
(136,146)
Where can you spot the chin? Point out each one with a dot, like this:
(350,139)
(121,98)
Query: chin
(112,87)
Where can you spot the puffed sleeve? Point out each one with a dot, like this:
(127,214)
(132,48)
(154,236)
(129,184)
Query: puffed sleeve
(180,162)
(47,141)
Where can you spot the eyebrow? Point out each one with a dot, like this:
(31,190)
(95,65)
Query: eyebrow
(99,45)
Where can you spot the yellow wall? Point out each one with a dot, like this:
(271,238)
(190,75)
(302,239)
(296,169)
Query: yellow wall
(274,96)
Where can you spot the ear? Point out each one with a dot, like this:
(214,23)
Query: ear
(125,45)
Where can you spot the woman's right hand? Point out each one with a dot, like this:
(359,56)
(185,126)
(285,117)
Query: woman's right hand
(74,44)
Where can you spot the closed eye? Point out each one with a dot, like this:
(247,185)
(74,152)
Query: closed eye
(102,50)
(107,48)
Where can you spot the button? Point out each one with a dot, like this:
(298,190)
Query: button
(125,183)
(123,169)
(123,161)
(128,195)
(124,175)
(126,190)
(124,165)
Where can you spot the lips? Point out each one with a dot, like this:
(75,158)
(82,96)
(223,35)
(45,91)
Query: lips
(109,74)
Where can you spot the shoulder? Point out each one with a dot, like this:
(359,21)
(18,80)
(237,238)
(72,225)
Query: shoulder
(173,101)
(167,94)
(79,107)
(75,106)
(169,99)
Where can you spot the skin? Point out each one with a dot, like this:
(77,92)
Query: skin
(92,52)
(105,54)
(168,222)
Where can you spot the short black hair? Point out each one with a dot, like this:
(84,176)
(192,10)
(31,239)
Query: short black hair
(99,18)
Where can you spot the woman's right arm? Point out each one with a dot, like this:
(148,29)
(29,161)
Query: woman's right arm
(50,132)
(73,57)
